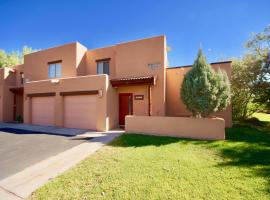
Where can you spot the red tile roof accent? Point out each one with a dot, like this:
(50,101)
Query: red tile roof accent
(142,80)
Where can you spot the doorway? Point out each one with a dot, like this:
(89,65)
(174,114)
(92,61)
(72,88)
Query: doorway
(125,107)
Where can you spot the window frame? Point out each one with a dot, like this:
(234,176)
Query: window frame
(55,68)
(103,70)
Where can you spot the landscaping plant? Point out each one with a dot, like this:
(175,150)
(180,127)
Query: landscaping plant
(15,57)
(205,91)
(251,78)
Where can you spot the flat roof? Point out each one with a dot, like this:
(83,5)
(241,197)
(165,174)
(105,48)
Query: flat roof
(213,63)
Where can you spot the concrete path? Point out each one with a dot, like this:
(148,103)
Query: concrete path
(22,184)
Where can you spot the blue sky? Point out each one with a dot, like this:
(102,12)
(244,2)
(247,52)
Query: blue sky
(220,27)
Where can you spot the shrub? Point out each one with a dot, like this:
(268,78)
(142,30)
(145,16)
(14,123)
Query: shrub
(19,119)
(205,91)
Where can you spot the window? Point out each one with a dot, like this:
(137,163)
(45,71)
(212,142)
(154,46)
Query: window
(55,70)
(103,67)
(22,78)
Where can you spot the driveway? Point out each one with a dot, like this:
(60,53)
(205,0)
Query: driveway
(20,149)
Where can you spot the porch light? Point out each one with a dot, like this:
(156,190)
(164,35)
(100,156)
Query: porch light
(100,93)
(55,81)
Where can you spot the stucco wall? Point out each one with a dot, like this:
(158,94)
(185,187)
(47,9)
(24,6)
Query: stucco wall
(204,128)
(174,105)
(7,80)
(98,54)
(128,59)
(131,59)
(112,107)
(80,59)
(83,83)
(36,64)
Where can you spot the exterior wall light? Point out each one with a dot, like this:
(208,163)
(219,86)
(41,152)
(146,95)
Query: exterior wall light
(100,93)
(55,81)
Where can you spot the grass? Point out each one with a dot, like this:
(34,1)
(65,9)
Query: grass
(149,167)
(262,116)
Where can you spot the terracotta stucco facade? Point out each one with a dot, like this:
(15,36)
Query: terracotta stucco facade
(184,127)
(137,69)
(175,106)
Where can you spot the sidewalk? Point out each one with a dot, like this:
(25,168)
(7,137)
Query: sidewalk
(22,184)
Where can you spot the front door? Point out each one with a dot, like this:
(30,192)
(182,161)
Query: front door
(125,107)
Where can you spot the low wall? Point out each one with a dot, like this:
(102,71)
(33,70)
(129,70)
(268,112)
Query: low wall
(186,127)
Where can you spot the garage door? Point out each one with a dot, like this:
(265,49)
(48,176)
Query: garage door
(43,111)
(80,111)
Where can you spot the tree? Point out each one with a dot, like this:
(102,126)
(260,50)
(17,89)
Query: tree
(259,46)
(245,73)
(15,57)
(203,90)
(251,77)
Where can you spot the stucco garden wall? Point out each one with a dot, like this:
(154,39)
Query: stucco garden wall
(186,127)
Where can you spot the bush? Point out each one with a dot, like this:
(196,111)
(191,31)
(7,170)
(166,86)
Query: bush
(205,91)
(19,119)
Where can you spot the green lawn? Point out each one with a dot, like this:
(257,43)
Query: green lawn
(149,167)
(262,116)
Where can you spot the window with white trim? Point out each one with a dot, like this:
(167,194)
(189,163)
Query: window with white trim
(103,67)
(55,70)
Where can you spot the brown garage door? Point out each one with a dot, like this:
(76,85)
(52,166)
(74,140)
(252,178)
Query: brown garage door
(80,111)
(43,110)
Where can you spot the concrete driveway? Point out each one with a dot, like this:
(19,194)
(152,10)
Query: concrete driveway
(20,149)
(31,155)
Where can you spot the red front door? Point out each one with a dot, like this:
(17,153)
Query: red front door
(125,107)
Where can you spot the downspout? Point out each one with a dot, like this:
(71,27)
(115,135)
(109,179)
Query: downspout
(149,100)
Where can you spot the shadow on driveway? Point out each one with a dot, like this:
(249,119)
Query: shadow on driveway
(22,148)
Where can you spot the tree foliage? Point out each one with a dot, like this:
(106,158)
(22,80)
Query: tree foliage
(251,77)
(15,57)
(245,73)
(205,91)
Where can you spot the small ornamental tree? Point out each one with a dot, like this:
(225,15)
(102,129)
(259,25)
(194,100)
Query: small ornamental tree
(205,91)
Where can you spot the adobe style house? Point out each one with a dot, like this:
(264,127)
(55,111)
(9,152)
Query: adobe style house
(71,86)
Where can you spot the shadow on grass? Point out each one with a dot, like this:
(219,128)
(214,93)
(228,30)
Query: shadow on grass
(244,146)
(250,148)
(139,140)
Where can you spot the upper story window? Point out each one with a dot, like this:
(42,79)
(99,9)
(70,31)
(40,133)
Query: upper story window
(103,66)
(55,69)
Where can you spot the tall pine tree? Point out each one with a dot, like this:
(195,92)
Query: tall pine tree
(205,91)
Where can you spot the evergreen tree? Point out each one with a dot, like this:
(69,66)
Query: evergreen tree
(205,91)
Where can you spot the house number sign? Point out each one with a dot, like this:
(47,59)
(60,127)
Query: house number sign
(138,97)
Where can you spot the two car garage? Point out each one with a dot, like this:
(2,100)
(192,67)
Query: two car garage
(79,111)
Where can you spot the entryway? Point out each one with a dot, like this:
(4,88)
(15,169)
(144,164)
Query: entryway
(17,104)
(125,107)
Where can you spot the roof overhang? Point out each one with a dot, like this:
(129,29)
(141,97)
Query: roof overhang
(143,80)
(16,90)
